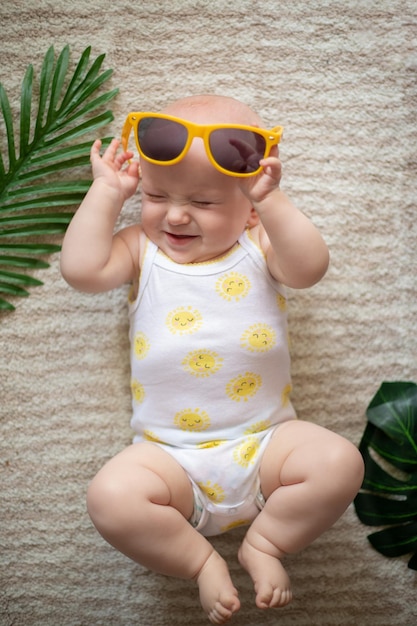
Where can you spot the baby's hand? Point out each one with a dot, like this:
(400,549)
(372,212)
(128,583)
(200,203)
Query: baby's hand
(257,188)
(109,168)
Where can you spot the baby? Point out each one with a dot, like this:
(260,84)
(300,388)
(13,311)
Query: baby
(217,442)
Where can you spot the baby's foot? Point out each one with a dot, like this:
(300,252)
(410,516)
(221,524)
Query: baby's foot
(271,581)
(218,596)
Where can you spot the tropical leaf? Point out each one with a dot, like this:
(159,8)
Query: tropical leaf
(42,166)
(388,497)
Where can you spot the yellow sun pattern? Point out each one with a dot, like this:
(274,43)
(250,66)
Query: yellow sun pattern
(243,387)
(285,395)
(236,524)
(213,491)
(202,363)
(140,345)
(193,420)
(282,302)
(258,338)
(233,286)
(148,435)
(210,444)
(258,427)
(245,453)
(138,391)
(184,320)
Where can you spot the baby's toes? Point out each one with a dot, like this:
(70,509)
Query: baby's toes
(264,596)
(268,597)
(281,597)
(219,615)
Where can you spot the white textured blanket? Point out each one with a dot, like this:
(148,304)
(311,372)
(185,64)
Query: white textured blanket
(340,76)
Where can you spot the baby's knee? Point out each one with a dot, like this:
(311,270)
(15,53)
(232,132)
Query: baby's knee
(105,502)
(344,466)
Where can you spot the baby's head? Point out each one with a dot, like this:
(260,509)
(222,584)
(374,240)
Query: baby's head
(212,109)
(191,209)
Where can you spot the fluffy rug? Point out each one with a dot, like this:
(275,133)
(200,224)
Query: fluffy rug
(340,76)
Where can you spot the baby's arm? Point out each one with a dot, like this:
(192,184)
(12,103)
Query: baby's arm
(296,253)
(93,258)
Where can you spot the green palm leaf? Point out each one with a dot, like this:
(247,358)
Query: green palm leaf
(41,166)
(388,497)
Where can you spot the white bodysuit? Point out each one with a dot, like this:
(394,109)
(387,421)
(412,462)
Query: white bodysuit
(210,373)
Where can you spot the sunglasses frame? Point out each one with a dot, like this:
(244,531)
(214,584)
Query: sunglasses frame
(272,138)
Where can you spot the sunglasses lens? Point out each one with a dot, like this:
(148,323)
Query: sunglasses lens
(237,150)
(161,139)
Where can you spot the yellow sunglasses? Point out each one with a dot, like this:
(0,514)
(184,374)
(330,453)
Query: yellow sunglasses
(233,149)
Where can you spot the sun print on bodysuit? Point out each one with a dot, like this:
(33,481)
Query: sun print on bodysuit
(233,286)
(285,395)
(184,320)
(213,491)
(202,363)
(236,524)
(148,435)
(258,338)
(258,427)
(245,453)
(244,386)
(141,345)
(193,420)
(138,392)
(282,302)
(211,444)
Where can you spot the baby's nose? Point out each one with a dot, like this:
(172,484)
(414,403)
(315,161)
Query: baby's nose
(178,214)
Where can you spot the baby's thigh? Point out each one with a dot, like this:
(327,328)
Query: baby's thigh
(299,451)
(143,471)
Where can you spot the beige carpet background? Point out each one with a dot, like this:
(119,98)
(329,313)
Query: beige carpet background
(340,76)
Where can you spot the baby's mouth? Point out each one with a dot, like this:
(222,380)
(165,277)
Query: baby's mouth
(178,238)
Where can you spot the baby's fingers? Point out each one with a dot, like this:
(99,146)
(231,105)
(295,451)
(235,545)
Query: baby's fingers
(272,167)
(110,156)
(95,149)
(110,153)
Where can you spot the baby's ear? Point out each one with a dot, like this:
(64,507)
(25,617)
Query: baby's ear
(253,218)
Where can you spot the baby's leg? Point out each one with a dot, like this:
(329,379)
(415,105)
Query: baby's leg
(309,476)
(140,502)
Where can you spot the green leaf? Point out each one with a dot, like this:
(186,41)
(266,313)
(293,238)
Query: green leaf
(20,279)
(55,218)
(25,109)
(52,200)
(393,410)
(6,306)
(58,82)
(87,126)
(13,290)
(30,248)
(64,154)
(45,81)
(35,229)
(21,261)
(86,92)
(54,169)
(388,497)
(8,122)
(70,186)
(396,540)
(77,76)
(100,101)
(41,185)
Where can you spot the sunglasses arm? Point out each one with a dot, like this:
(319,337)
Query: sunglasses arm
(126,134)
(278,130)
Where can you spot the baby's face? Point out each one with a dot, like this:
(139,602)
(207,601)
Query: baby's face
(192,212)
